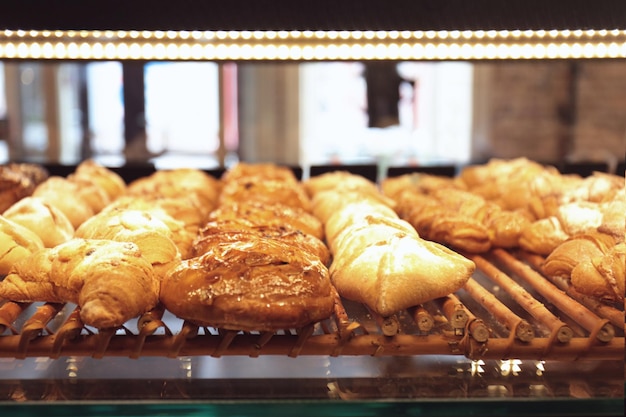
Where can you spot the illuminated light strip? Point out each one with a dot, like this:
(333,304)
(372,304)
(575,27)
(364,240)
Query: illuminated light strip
(313,52)
(312,45)
(319,34)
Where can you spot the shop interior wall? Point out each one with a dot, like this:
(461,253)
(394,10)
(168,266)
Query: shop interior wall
(558,111)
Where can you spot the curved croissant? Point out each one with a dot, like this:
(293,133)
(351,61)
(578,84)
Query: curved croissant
(16,242)
(151,235)
(110,281)
(562,260)
(43,219)
(602,276)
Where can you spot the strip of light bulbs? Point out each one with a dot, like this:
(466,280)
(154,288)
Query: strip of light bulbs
(312,45)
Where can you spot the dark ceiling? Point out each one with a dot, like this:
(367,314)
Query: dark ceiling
(312,15)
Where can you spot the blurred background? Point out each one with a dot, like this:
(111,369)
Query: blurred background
(210,115)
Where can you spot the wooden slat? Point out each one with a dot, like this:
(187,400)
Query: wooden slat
(520,328)
(603,330)
(535,308)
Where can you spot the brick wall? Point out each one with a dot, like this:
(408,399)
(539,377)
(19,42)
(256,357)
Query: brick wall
(550,111)
(600,130)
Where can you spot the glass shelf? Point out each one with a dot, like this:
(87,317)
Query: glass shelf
(310,385)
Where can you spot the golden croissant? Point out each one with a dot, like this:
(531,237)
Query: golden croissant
(602,276)
(111,282)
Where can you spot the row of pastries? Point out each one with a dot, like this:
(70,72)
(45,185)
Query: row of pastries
(258,249)
(521,204)
(104,245)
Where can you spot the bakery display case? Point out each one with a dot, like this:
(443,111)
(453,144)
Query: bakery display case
(510,340)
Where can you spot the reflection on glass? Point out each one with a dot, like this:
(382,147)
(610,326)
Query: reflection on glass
(106,108)
(434,114)
(182,110)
